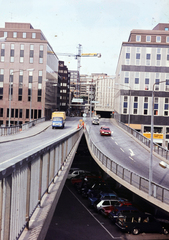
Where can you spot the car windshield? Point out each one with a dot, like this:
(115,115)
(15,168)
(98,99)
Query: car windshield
(107,129)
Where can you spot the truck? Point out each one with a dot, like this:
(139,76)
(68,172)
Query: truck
(58,119)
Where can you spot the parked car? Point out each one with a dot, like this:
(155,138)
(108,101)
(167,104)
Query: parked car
(80,178)
(105,131)
(121,210)
(106,210)
(102,195)
(138,222)
(75,172)
(95,121)
(99,204)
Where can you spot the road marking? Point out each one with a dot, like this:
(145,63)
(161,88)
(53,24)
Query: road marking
(132,154)
(116,143)
(121,149)
(132,159)
(112,138)
(93,215)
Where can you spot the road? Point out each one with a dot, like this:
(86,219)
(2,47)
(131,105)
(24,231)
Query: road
(124,150)
(13,150)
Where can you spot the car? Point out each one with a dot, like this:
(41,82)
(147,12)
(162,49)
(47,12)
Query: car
(78,179)
(102,195)
(95,121)
(138,222)
(105,131)
(106,202)
(75,172)
(121,210)
(106,210)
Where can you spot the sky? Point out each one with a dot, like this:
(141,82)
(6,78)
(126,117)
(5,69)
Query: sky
(100,26)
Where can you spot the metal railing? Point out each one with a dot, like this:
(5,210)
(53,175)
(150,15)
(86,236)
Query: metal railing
(156,148)
(4,131)
(159,192)
(24,183)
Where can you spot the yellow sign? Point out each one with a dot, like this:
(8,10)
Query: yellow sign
(155,135)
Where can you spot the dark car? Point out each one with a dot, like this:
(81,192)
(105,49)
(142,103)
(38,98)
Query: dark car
(141,222)
(105,131)
(121,210)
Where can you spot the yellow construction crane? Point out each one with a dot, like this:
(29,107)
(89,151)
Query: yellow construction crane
(78,57)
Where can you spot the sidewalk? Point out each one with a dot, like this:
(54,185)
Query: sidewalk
(38,128)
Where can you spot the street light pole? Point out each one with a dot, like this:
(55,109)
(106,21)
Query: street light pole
(151,143)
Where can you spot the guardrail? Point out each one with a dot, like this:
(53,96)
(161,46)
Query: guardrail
(4,131)
(24,183)
(141,183)
(156,148)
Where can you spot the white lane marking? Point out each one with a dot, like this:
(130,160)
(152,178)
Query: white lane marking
(46,143)
(92,215)
(132,159)
(121,149)
(116,143)
(112,138)
(132,154)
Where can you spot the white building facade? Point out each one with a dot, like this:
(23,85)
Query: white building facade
(143,65)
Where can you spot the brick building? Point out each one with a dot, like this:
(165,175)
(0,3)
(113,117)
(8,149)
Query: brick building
(28,74)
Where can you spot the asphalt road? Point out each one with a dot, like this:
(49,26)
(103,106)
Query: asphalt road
(124,150)
(13,150)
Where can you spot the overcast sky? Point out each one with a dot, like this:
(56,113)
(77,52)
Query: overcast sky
(100,26)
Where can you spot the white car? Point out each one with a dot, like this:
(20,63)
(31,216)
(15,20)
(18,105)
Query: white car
(75,172)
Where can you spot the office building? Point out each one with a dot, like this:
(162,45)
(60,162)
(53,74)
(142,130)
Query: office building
(28,74)
(143,67)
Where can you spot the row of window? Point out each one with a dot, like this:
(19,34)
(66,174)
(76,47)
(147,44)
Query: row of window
(145,106)
(148,56)
(21,55)
(18,113)
(148,38)
(24,34)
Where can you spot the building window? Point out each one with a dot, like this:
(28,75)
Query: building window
(2,52)
(167,82)
(41,54)
(1,83)
(136,80)
(21,53)
(137,55)
(20,86)
(158,38)
(12,53)
(11,85)
(14,34)
(127,55)
(33,35)
(24,35)
(148,38)
(158,56)
(135,105)
(126,80)
(5,34)
(148,56)
(138,38)
(146,83)
(166,28)
(30,80)
(166,107)
(31,53)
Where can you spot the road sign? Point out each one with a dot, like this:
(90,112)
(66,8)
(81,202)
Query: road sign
(94,102)
(84,114)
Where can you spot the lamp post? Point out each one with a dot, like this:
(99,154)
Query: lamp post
(10,80)
(151,143)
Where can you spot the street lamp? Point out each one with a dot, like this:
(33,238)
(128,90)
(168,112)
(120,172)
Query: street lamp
(10,80)
(129,101)
(151,143)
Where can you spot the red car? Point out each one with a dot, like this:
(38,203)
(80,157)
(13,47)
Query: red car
(106,210)
(105,131)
